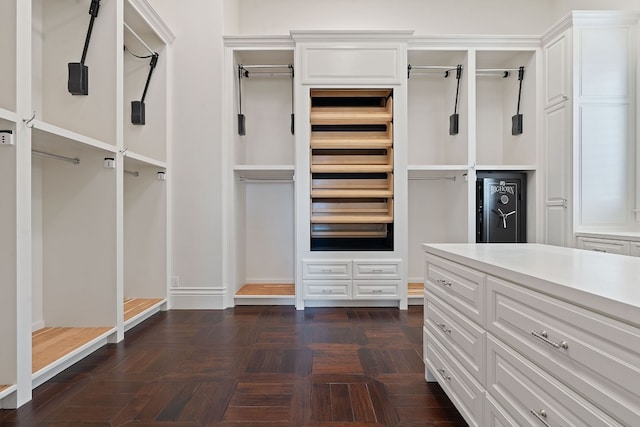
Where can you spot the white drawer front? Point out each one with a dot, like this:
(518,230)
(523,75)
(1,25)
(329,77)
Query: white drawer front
(462,337)
(532,397)
(461,287)
(634,249)
(327,289)
(619,247)
(462,389)
(596,356)
(326,269)
(376,289)
(376,269)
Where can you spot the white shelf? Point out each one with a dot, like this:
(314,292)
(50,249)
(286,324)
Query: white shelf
(506,167)
(63,141)
(135,158)
(274,172)
(8,115)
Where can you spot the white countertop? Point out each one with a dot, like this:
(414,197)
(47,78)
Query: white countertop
(607,283)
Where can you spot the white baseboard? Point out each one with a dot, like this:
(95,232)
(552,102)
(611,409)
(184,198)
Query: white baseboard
(36,326)
(197,298)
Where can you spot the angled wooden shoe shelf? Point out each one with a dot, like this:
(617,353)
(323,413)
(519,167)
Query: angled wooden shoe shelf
(351,162)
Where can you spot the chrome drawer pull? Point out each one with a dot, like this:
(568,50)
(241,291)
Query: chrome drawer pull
(443,282)
(541,416)
(444,375)
(327,291)
(377,291)
(376,271)
(543,336)
(444,327)
(326,270)
(598,250)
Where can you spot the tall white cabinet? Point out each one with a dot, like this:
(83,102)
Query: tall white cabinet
(85,198)
(270,182)
(589,110)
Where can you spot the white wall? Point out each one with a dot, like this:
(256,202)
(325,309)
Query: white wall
(197,57)
(562,7)
(423,16)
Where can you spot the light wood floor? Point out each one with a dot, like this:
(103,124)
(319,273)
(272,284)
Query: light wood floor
(4,387)
(278,289)
(51,344)
(135,306)
(416,289)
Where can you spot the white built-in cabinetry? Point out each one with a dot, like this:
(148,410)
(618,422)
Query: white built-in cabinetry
(512,343)
(267,172)
(589,112)
(84,213)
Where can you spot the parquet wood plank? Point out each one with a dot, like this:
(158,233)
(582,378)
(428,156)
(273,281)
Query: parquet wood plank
(249,366)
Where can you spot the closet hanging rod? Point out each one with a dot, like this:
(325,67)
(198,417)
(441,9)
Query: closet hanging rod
(265,180)
(496,70)
(249,67)
(75,160)
(151,51)
(134,173)
(433,178)
(432,68)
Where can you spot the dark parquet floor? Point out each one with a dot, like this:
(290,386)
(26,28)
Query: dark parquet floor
(250,366)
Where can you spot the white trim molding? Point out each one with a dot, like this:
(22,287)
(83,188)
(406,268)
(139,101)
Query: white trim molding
(197,298)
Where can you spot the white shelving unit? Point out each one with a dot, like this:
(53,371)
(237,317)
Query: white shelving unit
(145,174)
(260,226)
(65,258)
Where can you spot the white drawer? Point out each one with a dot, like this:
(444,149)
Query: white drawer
(531,396)
(619,247)
(326,269)
(634,249)
(376,289)
(327,289)
(459,286)
(462,337)
(601,360)
(376,269)
(463,390)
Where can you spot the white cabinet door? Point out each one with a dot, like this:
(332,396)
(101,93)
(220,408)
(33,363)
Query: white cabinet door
(557,69)
(557,123)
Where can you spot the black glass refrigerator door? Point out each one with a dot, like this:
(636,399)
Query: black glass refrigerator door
(500,208)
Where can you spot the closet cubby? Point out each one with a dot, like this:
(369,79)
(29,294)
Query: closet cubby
(497,87)
(145,240)
(438,213)
(141,41)
(265,235)
(266,98)
(432,87)
(8,53)
(262,152)
(58,36)
(73,252)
